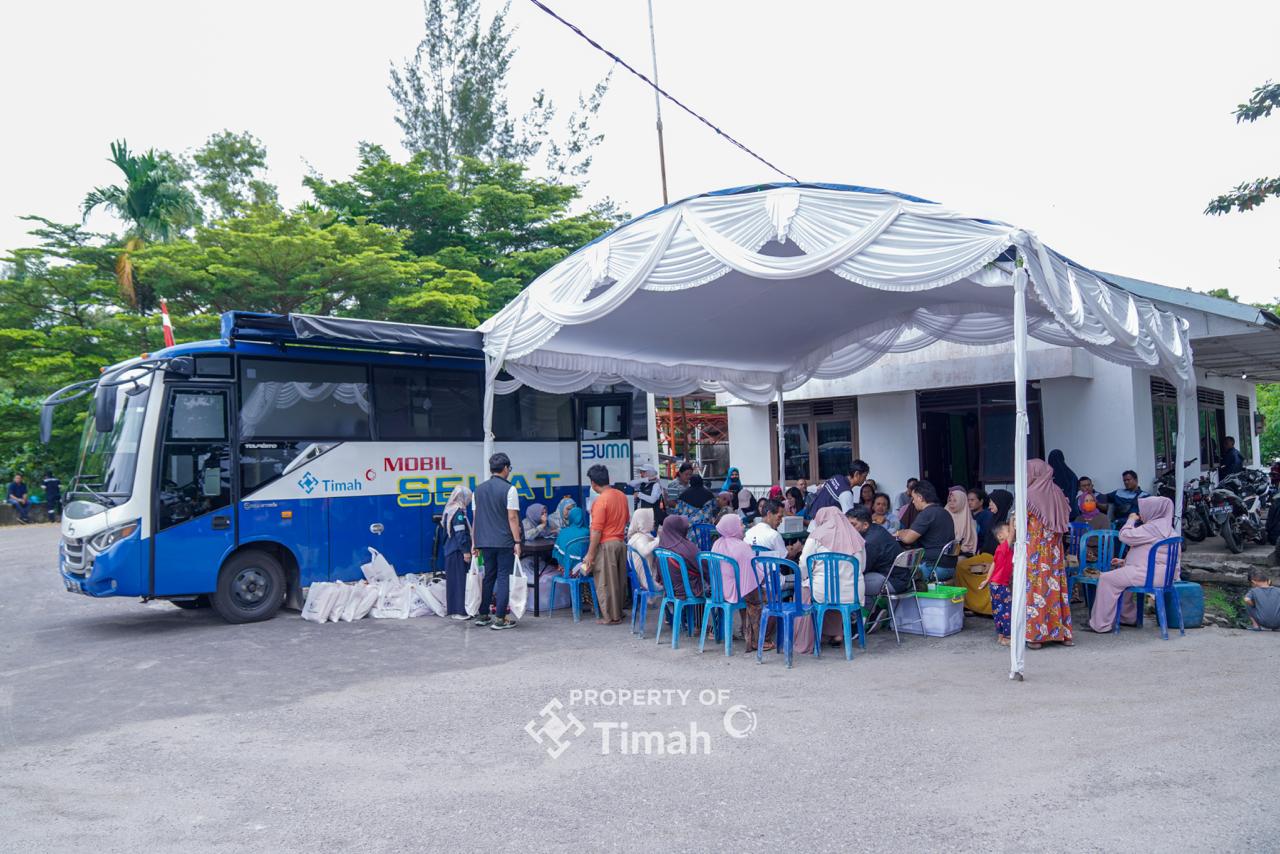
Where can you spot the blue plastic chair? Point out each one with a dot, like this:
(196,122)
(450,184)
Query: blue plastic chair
(641,593)
(1172,547)
(768,572)
(1106,546)
(931,571)
(703,535)
(1078,530)
(569,557)
(666,558)
(828,563)
(718,607)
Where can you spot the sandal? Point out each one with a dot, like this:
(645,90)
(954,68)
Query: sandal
(1068,643)
(1034,645)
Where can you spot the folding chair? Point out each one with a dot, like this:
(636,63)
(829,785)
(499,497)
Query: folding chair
(951,549)
(914,559)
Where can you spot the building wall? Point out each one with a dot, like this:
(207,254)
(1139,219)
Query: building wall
(751,443)
(887,440)
(1090,421)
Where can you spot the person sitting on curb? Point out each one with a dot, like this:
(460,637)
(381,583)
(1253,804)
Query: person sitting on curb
(1262,602)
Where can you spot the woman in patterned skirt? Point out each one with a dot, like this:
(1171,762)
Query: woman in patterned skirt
(1048,518)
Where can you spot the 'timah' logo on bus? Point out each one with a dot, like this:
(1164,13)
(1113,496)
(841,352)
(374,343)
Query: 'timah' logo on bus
(309,482)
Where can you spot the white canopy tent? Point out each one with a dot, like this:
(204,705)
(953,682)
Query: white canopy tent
(753,291)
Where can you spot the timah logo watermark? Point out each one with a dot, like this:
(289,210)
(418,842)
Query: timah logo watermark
(557,727)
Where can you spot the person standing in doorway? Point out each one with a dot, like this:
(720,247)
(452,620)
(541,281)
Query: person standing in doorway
(19,499)
(496,534)
(1232,459)
(607,552)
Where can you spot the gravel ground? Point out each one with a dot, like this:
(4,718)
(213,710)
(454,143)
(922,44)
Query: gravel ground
(128,727)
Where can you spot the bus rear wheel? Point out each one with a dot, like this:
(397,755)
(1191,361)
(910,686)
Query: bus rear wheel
(251,587)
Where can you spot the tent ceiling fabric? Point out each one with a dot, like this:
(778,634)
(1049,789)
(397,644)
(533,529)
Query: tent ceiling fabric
(756,290)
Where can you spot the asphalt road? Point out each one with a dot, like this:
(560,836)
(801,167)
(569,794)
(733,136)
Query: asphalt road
(130,727)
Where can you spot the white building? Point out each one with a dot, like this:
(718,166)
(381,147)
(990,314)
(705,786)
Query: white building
(946,412)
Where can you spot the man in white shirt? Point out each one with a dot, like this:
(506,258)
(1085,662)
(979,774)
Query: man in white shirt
(765,533)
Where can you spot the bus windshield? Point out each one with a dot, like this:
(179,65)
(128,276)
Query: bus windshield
(109,461)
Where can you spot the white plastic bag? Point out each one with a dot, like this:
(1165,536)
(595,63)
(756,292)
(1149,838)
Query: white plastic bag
(517,591)
(340,600)
(320,598)
(377,569)
(394,602)
(475,580)
(418,604)
(363,597)
(433,592)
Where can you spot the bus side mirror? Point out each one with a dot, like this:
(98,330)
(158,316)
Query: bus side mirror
(182,366)
(104,408)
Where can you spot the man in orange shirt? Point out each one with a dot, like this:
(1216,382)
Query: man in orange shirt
(607,554)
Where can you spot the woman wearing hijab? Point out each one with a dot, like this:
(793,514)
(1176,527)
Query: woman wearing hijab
(536,525)
(972,567)
(831,531)
(732,482)
(1048,518)
(456,529)
(561,517)
(697,502)
(674,536)
(575,529)
(731,545)
(1063,477)
(1156,515)
(999,502)
(641,538)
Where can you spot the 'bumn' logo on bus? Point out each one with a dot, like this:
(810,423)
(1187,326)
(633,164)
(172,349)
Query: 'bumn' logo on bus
(414,464)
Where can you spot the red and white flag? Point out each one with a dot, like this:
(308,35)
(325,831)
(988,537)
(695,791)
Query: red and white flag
(168,325)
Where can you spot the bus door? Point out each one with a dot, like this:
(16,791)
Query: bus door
(194,520)
(359,521)
(604,425)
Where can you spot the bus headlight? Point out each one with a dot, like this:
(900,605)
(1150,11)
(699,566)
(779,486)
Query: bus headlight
(111,536)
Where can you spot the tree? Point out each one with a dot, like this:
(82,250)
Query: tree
(304,261)
(154,203)
(1250,194)
(488,219)
(452,104)
(227,168)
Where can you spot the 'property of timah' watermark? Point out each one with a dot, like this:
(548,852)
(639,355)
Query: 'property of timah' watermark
(557,725)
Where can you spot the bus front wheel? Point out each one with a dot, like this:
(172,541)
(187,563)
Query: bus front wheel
(251,587)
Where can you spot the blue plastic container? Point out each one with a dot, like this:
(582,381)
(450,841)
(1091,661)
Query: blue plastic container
(1191,595)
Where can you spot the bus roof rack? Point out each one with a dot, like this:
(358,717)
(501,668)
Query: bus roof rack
(351,332)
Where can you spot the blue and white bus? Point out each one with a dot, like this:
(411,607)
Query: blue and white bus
(235,473)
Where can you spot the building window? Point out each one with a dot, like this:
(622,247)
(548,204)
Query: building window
(967,434)
(827,426)
(1213,426)
(1164,420)
(1244,439)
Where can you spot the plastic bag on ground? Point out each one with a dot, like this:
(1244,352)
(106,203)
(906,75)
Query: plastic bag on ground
(434,592)
(518,591)
(363,597)
(378,569)
(394,602)
(340,600)
(320,599)
(475,578)
(418,604)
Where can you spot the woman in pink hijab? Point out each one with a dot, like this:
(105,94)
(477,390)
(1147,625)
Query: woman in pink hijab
(1156,515)
(1048,518)
(831,531)
(731,545)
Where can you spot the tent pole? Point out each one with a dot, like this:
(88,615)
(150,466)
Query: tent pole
(782,445)
(1186,394)
(492,367)
(1018,607)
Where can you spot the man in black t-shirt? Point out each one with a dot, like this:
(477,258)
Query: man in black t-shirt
(882,551)
(932,530)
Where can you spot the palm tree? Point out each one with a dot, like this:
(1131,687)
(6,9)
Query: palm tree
(154,204)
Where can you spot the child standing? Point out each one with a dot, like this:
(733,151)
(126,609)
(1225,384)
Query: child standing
(1000,579)
(1262,602)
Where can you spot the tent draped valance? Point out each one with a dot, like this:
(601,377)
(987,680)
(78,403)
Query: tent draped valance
(874,241)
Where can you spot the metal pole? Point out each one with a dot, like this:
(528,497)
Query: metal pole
(1018,622)
(782,444)
(657,104)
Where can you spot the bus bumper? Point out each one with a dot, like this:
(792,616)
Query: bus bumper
(118,571)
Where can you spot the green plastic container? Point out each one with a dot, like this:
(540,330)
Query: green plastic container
(934,613)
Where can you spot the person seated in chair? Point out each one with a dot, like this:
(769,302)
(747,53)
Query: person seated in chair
(1152,523)
(932,529)
(882,549)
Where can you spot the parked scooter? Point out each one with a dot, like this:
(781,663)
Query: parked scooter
(1239,506)
(1196,521)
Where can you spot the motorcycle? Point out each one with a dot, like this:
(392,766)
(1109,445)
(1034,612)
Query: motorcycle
(1239,506)
(1196,520)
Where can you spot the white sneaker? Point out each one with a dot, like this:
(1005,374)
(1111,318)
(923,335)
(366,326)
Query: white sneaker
(459,617)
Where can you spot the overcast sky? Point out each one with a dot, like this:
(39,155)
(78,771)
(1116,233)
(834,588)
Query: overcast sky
(1104,127)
